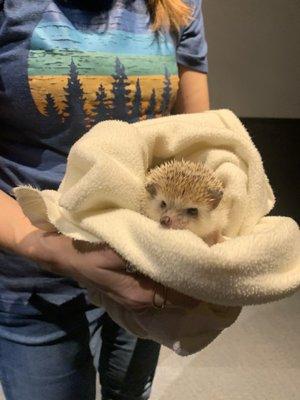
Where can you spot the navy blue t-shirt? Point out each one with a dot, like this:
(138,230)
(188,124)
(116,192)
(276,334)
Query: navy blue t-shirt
(66,65)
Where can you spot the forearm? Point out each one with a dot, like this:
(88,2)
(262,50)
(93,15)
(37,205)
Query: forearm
(54,249)
(16,228)
(193,92)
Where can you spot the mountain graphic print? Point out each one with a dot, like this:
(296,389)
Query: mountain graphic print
(84,67)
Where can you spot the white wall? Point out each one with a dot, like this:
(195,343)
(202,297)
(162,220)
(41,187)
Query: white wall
(254,56)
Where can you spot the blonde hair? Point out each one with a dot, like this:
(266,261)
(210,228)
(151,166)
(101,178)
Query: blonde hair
(169,14)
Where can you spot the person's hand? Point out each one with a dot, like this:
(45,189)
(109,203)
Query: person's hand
(98,267)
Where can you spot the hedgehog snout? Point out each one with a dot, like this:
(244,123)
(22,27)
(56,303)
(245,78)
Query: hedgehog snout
(165,221)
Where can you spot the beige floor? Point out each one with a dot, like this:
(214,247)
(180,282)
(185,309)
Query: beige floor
(258,358)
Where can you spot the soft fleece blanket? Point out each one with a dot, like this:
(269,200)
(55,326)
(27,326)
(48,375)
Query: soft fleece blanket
(99,200)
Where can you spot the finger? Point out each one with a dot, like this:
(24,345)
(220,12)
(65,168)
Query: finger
(53,268)
(129,304)
(91,252)
(135,291)
(129,289)
(173,298)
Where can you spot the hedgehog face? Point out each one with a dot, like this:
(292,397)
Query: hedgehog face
(174,213)
(182,195)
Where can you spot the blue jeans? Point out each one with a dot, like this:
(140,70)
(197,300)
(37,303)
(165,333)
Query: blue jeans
(50,352)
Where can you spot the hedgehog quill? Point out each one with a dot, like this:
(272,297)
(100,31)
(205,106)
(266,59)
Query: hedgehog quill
(186,195)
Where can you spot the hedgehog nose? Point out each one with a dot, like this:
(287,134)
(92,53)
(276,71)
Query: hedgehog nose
(165,220)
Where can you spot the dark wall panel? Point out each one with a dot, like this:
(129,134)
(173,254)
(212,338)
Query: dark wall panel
(278,141)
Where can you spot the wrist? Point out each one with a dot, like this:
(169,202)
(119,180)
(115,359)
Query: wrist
(53,251)
(29,242)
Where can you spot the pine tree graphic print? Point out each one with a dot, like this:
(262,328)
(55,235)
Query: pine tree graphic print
(77,79)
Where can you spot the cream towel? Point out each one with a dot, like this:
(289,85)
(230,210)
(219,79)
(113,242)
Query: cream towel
(99,200)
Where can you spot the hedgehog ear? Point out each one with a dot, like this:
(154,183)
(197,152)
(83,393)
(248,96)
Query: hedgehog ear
(151,189)
(215,197)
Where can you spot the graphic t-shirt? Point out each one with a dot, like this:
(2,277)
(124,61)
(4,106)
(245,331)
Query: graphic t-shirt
(66,65)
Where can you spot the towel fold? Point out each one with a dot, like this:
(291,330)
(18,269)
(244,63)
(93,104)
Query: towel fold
(99,200)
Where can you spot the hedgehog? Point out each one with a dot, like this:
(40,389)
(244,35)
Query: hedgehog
(186,195)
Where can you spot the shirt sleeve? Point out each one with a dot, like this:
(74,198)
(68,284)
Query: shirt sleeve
(191,49)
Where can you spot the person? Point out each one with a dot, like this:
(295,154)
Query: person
(66,65)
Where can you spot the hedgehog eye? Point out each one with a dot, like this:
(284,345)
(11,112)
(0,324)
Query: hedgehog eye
(192,211)
(163,204)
